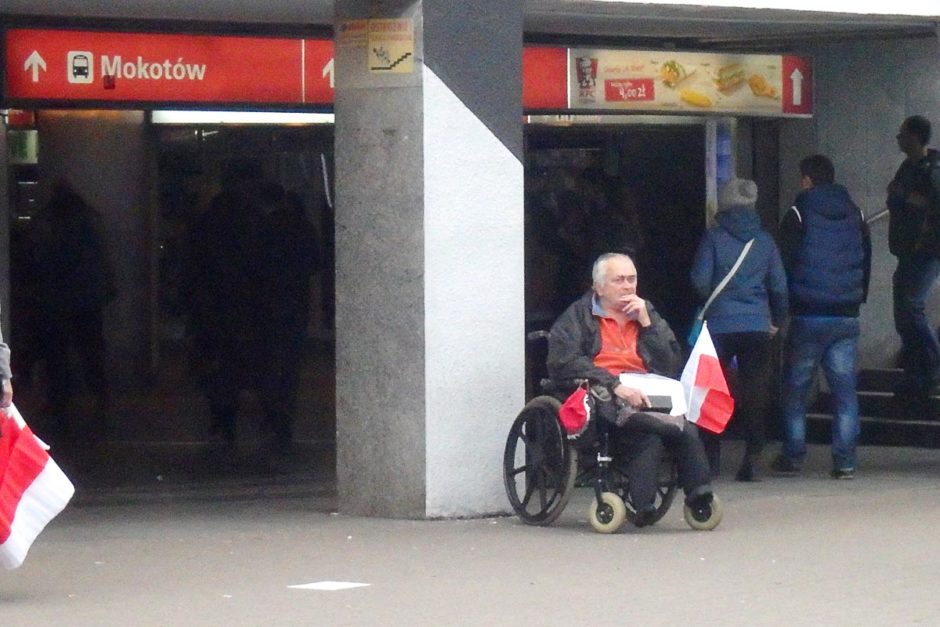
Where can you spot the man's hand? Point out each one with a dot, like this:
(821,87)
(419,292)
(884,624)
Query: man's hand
(7,397)
(632,396)
(635,308)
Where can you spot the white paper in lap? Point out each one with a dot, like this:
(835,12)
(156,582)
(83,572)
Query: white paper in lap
(656,385)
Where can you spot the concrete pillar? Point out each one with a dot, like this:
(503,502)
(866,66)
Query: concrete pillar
(429,237)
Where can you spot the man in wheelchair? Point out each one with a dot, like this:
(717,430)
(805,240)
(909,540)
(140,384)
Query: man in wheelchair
(609,331)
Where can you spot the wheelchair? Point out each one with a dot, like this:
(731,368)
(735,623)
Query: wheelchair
(542,467)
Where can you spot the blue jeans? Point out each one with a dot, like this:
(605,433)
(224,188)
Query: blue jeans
(920,351)
(833,342)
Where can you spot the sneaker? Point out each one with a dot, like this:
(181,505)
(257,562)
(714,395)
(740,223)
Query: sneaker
(843,473)
(783,465)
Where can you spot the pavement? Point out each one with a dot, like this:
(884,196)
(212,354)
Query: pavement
(790,551)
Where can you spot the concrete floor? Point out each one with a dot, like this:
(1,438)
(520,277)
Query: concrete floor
(801,551)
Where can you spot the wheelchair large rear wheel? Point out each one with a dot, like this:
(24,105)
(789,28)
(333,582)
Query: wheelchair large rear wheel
(539,465)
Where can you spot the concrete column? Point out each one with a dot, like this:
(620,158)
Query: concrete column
(429,237)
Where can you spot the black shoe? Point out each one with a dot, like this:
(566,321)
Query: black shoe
(746,472)
(843,473)
(645,516)
(783,465)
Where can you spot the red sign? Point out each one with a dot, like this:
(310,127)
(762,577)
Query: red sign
(630,90)
(93,66)
(545,78)
(143,67)
(797,85)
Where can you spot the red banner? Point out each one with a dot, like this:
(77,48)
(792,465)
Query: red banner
(97,66)
(144,67)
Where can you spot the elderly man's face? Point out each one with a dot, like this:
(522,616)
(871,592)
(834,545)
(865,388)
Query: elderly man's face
(618,284)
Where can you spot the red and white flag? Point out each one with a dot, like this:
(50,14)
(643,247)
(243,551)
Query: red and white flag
(710,402)
(33,489)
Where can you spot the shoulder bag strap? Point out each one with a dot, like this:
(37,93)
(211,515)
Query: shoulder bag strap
(727,279)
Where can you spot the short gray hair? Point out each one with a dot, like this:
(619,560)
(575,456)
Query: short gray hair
(599,270)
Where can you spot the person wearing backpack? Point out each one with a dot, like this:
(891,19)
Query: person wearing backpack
(738,270)
(826,249)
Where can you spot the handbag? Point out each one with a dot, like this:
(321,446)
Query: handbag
(577,411)
(699,319)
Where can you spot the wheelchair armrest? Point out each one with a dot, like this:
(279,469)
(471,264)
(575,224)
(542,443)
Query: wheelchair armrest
(532,336)
(560,389)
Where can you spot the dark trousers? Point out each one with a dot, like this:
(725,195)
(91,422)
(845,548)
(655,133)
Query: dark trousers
(61,333)
(644,444)
(751,350)
(920,350)
(280,378)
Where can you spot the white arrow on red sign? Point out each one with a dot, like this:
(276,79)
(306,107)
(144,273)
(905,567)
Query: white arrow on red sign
(329,69)
(797,78)
(35,62)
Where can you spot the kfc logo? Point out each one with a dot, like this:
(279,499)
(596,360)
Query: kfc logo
(587,77)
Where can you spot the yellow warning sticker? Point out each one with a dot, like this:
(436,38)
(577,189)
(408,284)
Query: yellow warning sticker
(391,46)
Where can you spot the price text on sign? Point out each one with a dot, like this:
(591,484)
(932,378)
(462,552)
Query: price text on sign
(143,67)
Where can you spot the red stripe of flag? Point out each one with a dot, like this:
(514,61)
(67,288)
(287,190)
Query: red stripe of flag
(21,461)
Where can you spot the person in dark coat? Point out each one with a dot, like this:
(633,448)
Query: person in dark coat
(221,282)
(914,238)
(826,250)
(289,259)
(611,330)
(74,282)
(746,314)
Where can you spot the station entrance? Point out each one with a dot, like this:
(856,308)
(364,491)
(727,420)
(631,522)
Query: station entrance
(150,181)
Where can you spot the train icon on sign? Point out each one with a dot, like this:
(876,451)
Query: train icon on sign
(80,67)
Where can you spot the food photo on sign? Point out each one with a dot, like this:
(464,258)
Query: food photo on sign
(676,81)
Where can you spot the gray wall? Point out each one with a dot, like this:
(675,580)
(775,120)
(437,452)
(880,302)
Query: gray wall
(863,92)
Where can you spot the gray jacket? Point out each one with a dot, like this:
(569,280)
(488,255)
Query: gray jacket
(576,339)
(4,360)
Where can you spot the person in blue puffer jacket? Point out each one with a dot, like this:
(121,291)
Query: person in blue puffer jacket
(826,250)
(746,314)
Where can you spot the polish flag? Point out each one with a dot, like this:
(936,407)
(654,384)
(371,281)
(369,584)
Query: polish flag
(33,489)
(710,402)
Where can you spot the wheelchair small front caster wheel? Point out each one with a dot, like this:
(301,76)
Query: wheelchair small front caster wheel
(705,518)
(608,515)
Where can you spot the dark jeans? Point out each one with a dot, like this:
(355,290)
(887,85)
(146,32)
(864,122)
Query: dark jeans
(833,343)
(920,351)
(644,449)
(752,351)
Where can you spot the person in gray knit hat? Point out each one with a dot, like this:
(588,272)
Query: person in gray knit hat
(743,317)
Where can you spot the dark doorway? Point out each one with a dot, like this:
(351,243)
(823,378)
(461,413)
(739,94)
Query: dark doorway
(593,189)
